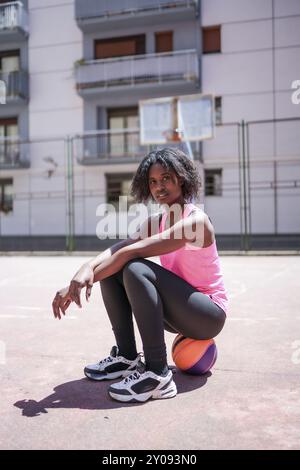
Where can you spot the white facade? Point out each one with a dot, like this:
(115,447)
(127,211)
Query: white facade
(260,59)
(253,73)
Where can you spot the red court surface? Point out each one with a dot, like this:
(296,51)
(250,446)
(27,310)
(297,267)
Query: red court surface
(250,400)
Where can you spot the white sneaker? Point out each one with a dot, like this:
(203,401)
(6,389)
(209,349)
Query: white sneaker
(112,367)
(142,385)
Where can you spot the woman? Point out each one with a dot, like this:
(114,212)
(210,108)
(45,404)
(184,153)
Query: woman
(184,295)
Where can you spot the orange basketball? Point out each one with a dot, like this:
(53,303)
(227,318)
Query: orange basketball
(194,356)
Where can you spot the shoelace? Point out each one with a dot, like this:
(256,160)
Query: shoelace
(104,361)
(140,369)
(132,377)
(110,359)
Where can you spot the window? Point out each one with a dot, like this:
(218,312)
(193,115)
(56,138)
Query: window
(9,150)
(119,47)
(6,195)
(9,67)
(118,184)
(9,61)
(123,119)
(218,109)
(164,41)
(213,182)
(211,39)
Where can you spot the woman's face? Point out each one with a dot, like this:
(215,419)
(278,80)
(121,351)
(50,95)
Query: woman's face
(165,185)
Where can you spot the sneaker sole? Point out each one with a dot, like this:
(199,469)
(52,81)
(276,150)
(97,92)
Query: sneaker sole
(112,376)
(169,392)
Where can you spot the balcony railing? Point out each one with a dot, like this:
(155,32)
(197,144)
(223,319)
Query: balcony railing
(109,146)
(118,146)
(16,85)
(13,16)
(13,153)
(85,9)
(178,66)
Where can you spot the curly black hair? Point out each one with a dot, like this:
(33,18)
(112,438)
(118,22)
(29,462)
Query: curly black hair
(171,159)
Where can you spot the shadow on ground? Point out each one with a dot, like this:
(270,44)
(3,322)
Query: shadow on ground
(88,395)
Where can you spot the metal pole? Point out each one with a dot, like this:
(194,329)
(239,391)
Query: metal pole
(248,183)
(72,222)
(244,186)
(240,186)
(67,176)
(275,196)
(70,195)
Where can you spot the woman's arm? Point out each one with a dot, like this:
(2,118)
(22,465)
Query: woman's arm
(93,263)
(188,230)
(144,228)
(90,265)
(85,276)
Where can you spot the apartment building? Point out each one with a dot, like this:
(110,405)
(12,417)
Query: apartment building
(84,65)
(252,68)
(14,117)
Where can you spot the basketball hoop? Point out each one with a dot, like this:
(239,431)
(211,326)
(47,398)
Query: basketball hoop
(186,118)
(172,135)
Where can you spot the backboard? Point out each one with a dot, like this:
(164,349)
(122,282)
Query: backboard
(187,118)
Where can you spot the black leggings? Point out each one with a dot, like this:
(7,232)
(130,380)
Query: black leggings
(159,299)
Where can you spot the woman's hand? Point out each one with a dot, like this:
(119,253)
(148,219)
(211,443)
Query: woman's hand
(61,302)
(83,278)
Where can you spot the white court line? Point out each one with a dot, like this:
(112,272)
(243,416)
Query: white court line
(13,316)
(252,321)
(5,282)
(4,315)
(241,289)
(248,321)
(280,273)
(15,280)
(21,307)
(252,318)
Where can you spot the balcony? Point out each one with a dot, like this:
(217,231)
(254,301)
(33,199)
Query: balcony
(13,153)
(13,22)
(118,146)
(150,70)
(93,15)
(16,85)
(106,146)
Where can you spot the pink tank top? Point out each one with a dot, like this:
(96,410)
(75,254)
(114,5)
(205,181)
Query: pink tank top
(200,267)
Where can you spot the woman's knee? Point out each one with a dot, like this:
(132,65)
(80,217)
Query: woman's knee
(133,268)
(221,318)
(205,327)
(213,327)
